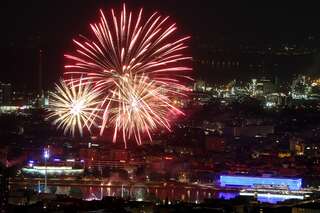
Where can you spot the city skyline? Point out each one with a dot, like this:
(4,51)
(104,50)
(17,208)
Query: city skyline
(159,106)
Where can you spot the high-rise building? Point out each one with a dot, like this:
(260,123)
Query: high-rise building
(5,93)
(263,87)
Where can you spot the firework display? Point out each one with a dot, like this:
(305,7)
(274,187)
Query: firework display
(135,67)
(141,106)
(73,106)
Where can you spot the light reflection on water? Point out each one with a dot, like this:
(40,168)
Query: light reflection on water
(272,200)
(195,194)
(227,195)
(261,198)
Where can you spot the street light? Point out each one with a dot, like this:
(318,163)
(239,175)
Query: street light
(46,156)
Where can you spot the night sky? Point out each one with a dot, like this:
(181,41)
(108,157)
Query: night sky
(51,24)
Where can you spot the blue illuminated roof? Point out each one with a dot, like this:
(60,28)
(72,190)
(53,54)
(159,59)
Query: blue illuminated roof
(249,181)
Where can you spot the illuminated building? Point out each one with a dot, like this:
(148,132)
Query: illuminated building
(261,87)
(284,154)
(299,87)
(249,181)
(276,99)
(253,87)
(52,171)
(296,146)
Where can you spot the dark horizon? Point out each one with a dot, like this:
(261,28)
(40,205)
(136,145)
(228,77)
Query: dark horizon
(51,26)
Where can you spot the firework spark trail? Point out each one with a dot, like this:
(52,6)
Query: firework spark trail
(128,47)
(73,106)
(139,49)
(140,107)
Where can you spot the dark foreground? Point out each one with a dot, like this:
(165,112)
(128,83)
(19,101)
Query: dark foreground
(117,205)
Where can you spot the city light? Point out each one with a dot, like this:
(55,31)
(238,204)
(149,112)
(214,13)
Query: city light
(270,197)
(46,154)
(249,181)
(52,170)
(113,106)
(30,163)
